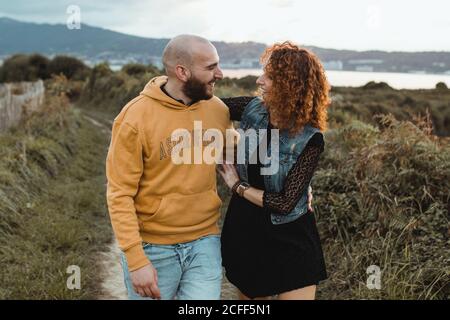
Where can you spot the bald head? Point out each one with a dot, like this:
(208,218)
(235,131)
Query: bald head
(184,50)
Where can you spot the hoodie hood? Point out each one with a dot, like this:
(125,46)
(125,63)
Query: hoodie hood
(153,90)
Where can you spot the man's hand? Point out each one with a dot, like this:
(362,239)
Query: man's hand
(310,199)
(145,282)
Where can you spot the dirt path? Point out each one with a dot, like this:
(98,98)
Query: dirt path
(113,287)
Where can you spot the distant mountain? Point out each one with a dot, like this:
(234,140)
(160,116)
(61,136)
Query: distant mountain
(45,38)
(95,44)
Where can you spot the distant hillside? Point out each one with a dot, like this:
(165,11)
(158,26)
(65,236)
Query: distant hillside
(18,36)
(95,44)
(98,43)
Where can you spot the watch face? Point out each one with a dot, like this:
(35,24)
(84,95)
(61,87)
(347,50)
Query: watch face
(242,187)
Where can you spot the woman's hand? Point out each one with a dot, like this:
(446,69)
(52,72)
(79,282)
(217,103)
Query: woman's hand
(229,174)
(231,177)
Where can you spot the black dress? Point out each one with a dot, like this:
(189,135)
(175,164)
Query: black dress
(263,259)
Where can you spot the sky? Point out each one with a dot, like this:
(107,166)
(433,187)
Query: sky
(390,25)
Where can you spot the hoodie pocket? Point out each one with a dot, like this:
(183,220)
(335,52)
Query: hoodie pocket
(183,213)
(150,208)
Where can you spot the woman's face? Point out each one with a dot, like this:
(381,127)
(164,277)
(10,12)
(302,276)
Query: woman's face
(264,83)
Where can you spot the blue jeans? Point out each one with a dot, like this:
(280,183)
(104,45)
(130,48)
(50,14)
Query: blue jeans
(186,271)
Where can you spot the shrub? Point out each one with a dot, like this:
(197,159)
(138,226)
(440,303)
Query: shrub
(40,66)
(134,69)
(16,69)
(382,199)
(110,91)
(372,85)
(22,67)
(70,67)
(441,86)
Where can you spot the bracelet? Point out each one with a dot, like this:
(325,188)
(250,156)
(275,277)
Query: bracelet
(234,187)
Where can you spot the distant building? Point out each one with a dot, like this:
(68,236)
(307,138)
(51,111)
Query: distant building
(417,71)
(365,61)
(364,68)
(333,65)
(366,65)
(439,64)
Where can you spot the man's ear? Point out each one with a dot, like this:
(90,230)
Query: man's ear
(183,73)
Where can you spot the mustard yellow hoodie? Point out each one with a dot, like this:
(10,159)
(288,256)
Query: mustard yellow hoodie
(150,198)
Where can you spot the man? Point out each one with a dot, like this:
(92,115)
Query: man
(165,215)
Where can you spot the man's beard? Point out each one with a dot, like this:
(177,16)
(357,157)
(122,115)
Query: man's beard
(196,90)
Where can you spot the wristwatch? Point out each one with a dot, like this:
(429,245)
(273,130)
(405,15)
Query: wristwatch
(241,188)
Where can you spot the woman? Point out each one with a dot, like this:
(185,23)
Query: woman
(270,242)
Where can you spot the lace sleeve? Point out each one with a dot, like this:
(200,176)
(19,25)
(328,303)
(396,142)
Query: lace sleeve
(237,106)
(297,179)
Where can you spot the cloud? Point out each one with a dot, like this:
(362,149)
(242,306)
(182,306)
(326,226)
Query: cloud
(282,3)
(323,23)
(154,18)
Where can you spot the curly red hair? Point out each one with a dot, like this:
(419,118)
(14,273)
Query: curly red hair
(299,93)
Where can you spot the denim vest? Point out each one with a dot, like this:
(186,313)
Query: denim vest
(255,116)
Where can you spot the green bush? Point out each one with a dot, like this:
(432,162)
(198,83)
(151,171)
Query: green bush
(441,86)
(21,67)
(382,199)
(366,104)
(247,83)
(39,66)
(372,85)
(70,67)
(18,68)
(135,69)
(101,70)
(110,91)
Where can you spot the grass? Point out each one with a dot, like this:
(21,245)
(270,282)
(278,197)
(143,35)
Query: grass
(382,199)
(53,212)
(366,102)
